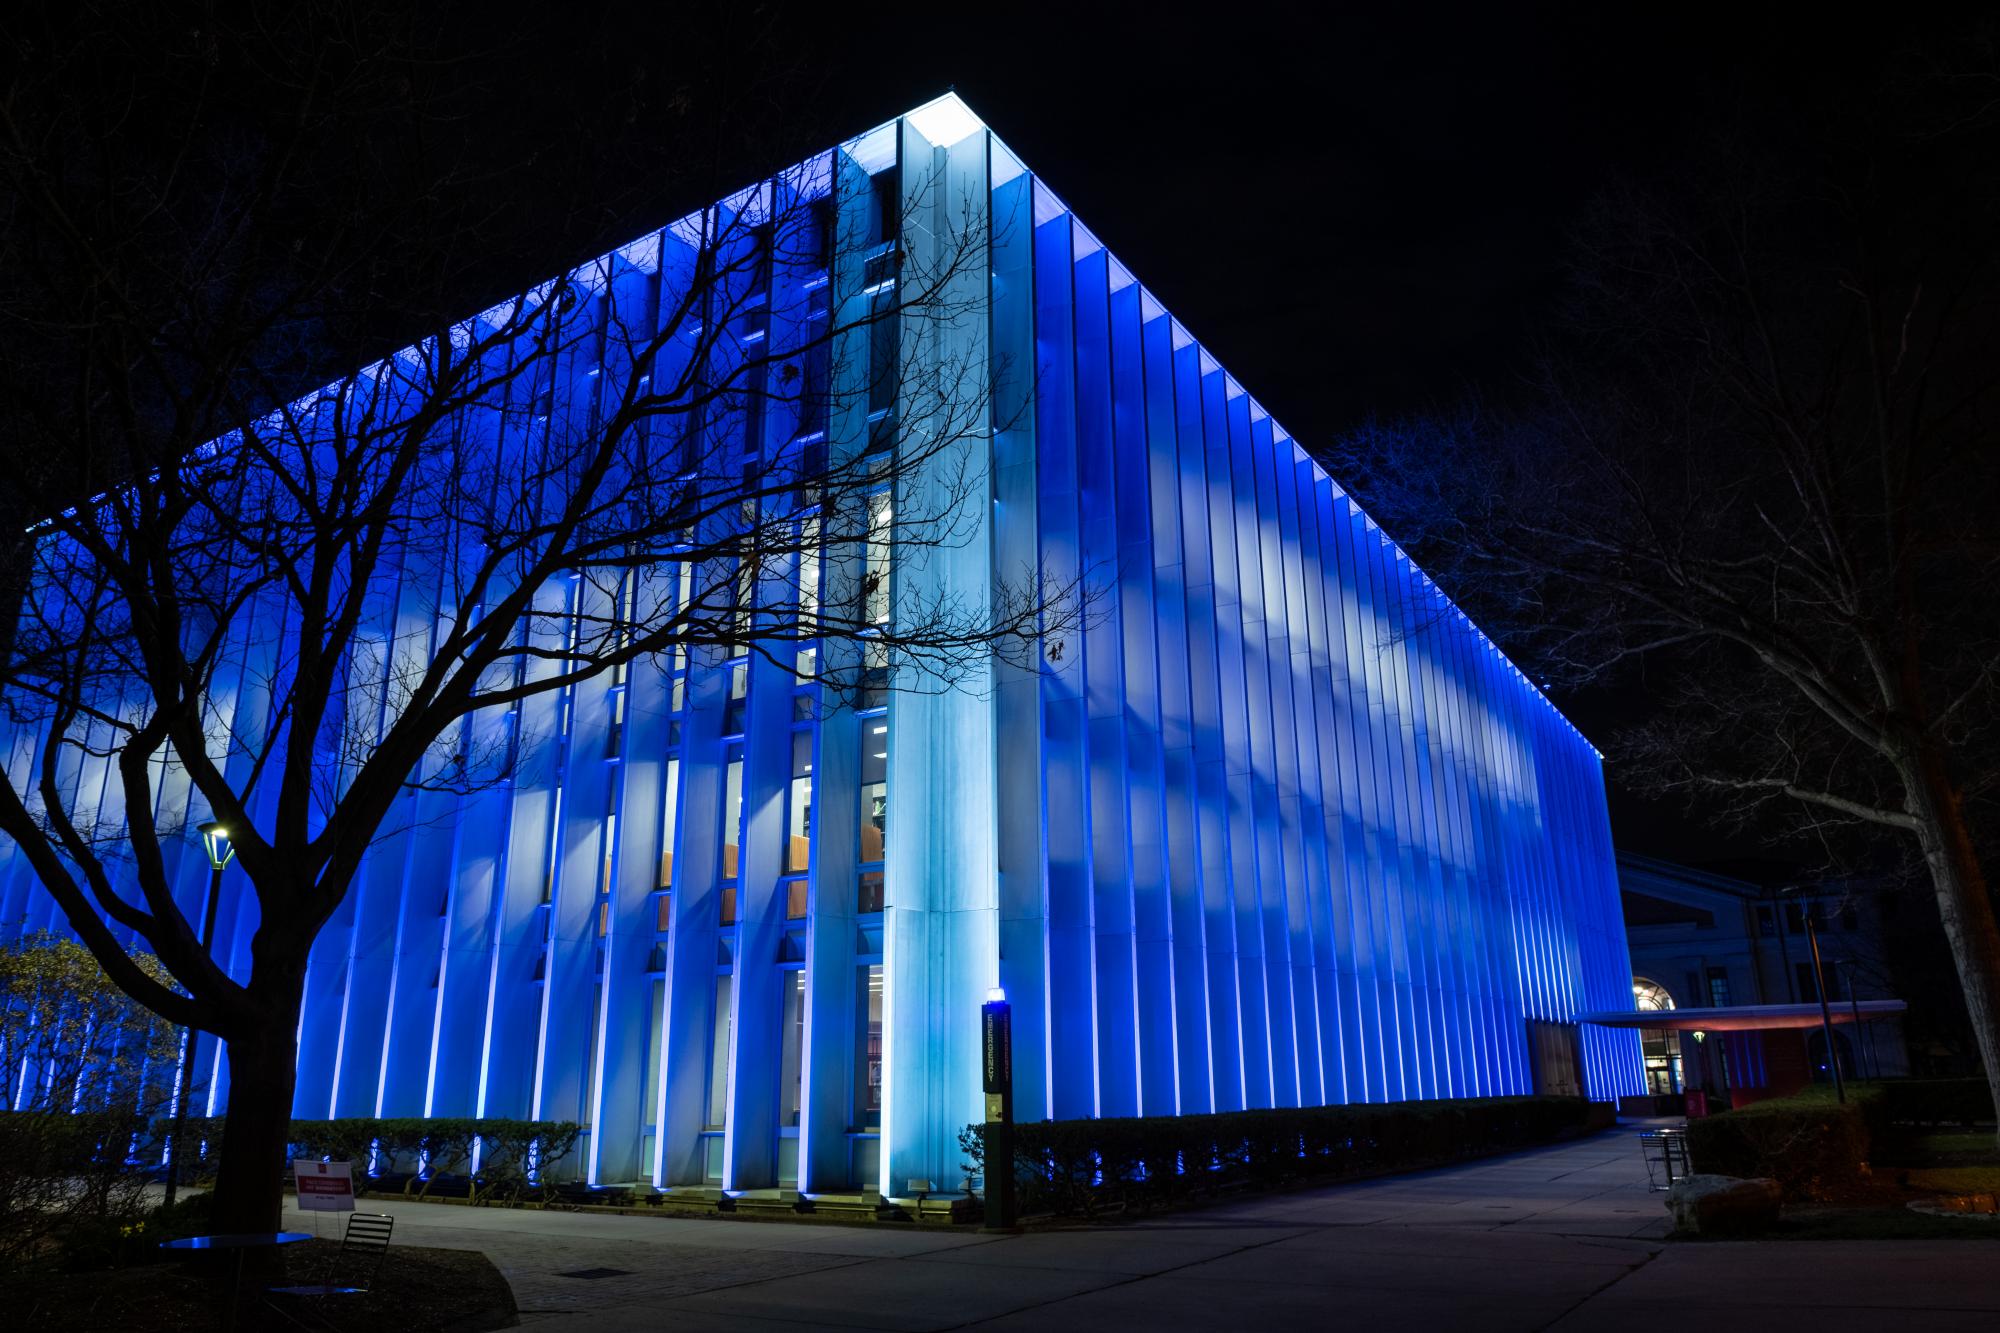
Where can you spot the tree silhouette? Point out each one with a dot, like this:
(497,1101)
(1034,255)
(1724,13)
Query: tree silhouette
(748,430)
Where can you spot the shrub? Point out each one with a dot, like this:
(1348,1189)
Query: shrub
(188,1215)
(515,1150)
(1809,1143)
(87,1069)
(516,1157)
(1083,1167)
(91,1242)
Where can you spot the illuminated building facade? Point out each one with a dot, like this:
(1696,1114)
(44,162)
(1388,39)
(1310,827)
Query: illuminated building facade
(1278,826)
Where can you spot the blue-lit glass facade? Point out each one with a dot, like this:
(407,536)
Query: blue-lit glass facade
(1276,826)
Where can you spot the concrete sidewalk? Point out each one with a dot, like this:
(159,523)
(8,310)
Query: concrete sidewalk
(1565,1237)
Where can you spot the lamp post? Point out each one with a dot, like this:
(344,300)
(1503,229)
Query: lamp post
(996,1032)
(214,841)
(1825,1011)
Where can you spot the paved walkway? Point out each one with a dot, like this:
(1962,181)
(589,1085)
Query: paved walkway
(1560,1238)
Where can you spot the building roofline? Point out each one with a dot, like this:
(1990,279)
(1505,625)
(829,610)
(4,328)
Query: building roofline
(949,115)
(1702,879)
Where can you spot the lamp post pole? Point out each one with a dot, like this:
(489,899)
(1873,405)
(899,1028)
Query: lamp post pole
(1825,1011)
(996,1032)
(1844,968)
(215,840)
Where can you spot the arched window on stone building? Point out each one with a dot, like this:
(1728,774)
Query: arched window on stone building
(1660,1047)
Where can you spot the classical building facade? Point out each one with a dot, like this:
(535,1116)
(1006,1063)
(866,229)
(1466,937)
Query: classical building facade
(1707,942)
(1276,826)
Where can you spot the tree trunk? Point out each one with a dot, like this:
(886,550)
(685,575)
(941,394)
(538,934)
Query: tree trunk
(1964,904)
(249,1179)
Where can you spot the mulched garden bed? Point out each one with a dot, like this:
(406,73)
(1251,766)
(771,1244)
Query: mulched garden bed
(419,1290)
(1875,1205)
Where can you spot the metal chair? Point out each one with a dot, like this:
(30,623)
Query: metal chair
(1666,1155)
(362,1248)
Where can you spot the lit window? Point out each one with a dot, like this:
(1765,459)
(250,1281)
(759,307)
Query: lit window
(809,571)
(807,664)
(745,594)
(677,668)
(610,839)
(874,691)
(1660,1048)
(875,574)
(734,711)
(798,806)
(791,1066)
(868,1048)
(874,824)
(670,818)
(718,1054)
(732,811)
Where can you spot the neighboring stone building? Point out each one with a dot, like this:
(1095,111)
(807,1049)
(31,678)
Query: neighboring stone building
(1702,941)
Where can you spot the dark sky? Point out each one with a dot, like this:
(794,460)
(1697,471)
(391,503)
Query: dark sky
(1358,209)
(1353,212)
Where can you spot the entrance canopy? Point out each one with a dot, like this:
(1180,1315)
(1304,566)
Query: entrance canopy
(1744,1017)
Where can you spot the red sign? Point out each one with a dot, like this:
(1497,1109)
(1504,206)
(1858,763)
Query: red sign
(324,1187)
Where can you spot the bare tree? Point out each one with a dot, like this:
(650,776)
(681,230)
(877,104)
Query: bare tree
(1757,482)
(719,438)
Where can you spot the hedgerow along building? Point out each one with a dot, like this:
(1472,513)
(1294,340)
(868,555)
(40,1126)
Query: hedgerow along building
(1277,826)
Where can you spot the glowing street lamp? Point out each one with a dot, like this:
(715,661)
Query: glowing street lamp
(215,839)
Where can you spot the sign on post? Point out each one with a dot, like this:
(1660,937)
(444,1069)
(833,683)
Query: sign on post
(997,1047)
(324,1187)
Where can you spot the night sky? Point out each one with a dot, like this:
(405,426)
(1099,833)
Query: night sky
(1358,210)
(1355,215)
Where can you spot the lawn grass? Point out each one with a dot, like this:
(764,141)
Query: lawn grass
(1959,1162)
(1953,1179)
(1955,1148)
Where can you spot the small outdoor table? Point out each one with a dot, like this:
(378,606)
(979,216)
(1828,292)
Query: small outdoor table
(239,1242)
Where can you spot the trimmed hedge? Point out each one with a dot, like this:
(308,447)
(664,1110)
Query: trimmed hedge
(1808,1142)
(419,1156)
(1085,1167)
